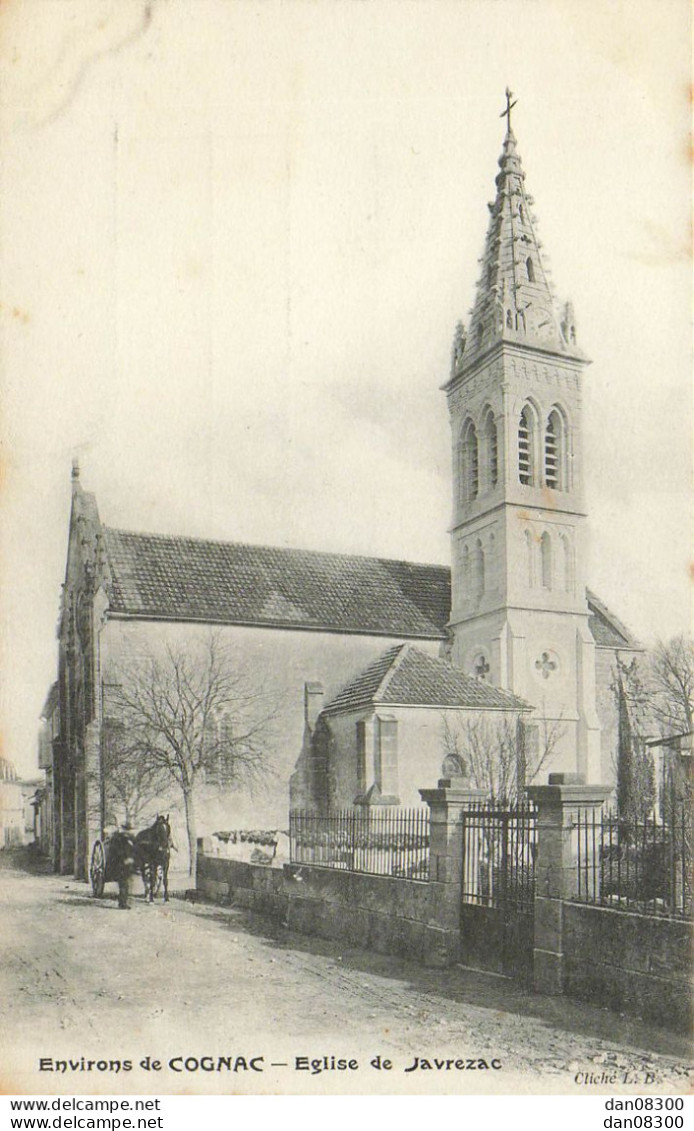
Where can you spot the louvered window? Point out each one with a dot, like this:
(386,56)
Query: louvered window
(525,448)
(492,451)
(555,444)
(469,464)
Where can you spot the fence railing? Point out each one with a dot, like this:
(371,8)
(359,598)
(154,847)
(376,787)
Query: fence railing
(636,865)
(391,842)
(499,850)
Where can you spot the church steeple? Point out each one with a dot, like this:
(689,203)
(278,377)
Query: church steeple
(519,611)
(514,300)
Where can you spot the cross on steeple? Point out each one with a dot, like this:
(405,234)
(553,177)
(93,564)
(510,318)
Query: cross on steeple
(509,107)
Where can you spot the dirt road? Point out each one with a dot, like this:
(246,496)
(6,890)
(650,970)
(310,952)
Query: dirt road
(187,984)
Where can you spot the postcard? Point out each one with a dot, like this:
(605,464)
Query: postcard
(347,668)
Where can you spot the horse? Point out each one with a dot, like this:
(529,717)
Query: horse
(153,847)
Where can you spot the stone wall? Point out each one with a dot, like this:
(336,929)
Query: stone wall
(637,964)
(255,887)
(391,916)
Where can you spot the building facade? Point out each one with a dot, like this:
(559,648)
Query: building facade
(513,613)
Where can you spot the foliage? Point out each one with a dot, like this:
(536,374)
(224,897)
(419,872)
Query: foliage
(501,755)
(635,770)
(672,684)
(131,783)
(196,716)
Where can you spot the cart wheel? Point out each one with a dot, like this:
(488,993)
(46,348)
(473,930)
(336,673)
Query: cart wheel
(97,870)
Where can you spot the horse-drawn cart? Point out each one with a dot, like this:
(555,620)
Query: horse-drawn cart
(118,857)
(114,860)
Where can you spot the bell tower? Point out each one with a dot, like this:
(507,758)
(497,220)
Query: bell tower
(519,614)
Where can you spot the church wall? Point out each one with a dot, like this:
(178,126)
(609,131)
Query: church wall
(421,749)
(282,660)
(520,645)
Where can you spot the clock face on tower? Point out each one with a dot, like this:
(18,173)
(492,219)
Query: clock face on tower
(541,322)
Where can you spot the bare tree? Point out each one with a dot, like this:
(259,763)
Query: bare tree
(198,717)
(672,684)
(501,754)
(131,782)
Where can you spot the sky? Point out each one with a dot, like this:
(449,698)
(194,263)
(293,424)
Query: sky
(236,237)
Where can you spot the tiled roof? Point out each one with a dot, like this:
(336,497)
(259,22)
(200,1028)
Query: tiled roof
(232,583)
(607,630)
(227,582)
(405,676)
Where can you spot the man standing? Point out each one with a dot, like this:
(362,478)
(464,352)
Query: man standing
(122,859)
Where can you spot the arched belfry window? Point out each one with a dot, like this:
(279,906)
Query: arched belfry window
(526,447)
(555,452)
(491,443)
(546,560)
(469,469)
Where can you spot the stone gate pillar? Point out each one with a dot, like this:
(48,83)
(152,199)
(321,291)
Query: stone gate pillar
(446,807)
(556,867)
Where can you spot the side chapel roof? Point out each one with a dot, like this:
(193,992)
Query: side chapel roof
(405,676)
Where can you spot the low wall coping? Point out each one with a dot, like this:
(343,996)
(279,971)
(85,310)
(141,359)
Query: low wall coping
(568,793)
(452,794)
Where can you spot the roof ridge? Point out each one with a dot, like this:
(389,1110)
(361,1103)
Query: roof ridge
(394,665)
(268,546)
(614,620)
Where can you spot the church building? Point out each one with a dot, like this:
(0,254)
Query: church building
(367,655)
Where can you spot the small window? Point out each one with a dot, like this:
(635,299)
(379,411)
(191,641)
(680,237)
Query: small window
(530,559)
(530,268)
(387,756)
(480,666)
(361,756)
(546,560)
(478,571)
(566,579)
(465,569)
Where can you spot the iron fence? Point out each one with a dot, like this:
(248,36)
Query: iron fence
(499,850)
(636,865)
(390,842)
